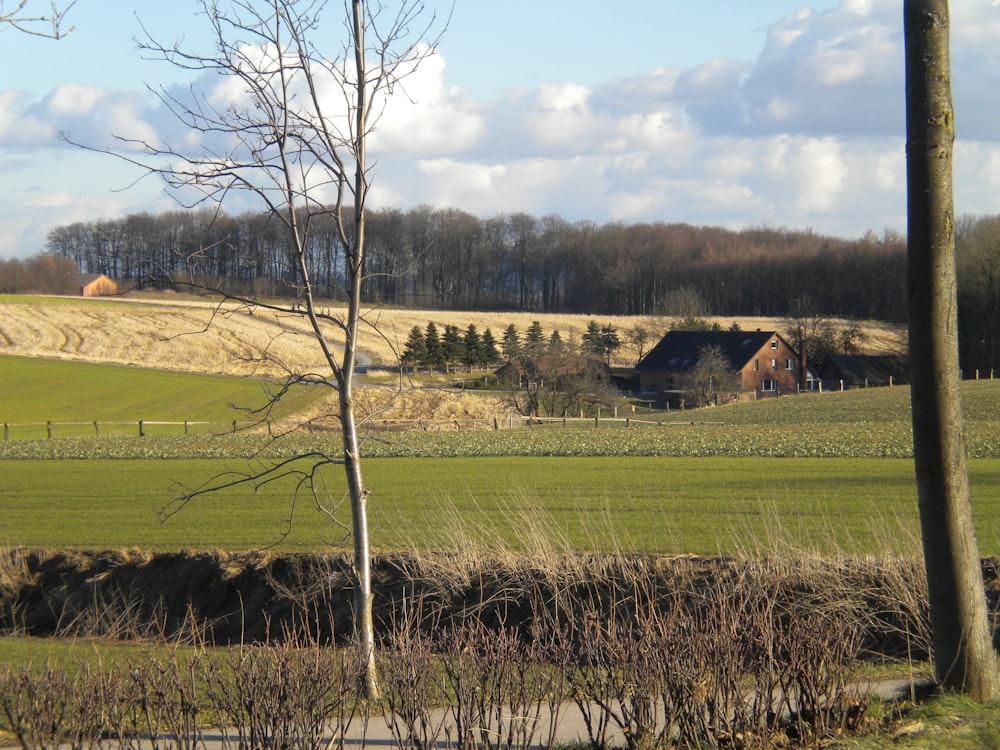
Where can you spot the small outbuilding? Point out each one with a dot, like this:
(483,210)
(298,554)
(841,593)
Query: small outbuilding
(96,285)
(863,370)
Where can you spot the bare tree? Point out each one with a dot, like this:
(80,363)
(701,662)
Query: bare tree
(46,24)
(964,658)
(291,133)
(712,379)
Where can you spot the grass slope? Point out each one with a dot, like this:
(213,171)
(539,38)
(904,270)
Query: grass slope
(34,391)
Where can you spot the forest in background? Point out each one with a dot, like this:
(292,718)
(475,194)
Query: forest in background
(450,259)
(427,258)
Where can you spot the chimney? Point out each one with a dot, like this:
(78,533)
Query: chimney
(803,371)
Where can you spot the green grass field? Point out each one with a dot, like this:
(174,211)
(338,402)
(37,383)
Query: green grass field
(652,504)
(75,394)
(823,472)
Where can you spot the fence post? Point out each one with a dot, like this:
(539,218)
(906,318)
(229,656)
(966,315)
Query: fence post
(48,429)
(6,430)
(234,426)
(142,429)
(97,430)
(185,427)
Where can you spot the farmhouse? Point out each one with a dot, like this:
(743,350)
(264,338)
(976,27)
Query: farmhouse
(863,370)
(762,363)
(96,285)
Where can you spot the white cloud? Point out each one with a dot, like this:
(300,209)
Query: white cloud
(74,100)
(19,128)
(813,171)
(428,117)
(657,131)
(809,134)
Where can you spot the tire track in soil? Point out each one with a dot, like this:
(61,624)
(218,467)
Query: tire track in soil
(72,342)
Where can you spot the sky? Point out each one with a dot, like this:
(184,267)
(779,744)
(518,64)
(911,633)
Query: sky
(734,113)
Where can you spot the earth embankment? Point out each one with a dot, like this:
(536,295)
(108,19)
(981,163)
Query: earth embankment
(239,597)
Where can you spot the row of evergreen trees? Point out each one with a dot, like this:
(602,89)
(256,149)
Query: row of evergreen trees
(429,348)
(432,348)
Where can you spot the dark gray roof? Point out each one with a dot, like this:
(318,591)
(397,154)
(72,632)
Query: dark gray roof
(680,350)
(861,368)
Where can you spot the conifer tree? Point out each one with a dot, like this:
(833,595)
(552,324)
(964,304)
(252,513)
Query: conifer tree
(491,355)
(472,345)
(534,339)
(452,346)
(432,343)
(511,343)
(415,351)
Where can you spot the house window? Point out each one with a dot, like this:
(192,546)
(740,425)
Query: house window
(769,386)
(789,364)
(774,344)
(756,365)
(774,364)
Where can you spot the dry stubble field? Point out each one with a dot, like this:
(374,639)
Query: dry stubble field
(199,336)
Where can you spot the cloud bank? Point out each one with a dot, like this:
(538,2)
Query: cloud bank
(807,135)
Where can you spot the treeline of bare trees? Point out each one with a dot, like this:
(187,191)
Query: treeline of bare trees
(46,274)
(447,258)
(977,257)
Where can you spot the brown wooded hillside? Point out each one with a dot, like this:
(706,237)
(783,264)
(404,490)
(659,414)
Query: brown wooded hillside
(449,259)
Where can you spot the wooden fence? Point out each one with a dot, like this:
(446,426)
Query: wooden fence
(50,429)
(142,428)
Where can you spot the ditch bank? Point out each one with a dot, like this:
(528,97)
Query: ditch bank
(222,598)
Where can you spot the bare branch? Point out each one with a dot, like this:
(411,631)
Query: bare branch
(51,23)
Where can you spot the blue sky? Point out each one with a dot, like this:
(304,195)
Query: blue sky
(723,112)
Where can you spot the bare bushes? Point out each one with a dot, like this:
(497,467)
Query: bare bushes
(290,696)
(751,659)
(500,652)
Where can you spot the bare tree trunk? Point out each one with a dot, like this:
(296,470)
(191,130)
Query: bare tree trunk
(363,595)
(963,654)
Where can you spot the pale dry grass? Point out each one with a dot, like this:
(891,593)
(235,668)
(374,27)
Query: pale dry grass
(196,336)
(190,337)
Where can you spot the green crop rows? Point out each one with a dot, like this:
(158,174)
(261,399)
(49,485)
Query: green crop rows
(826,472)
